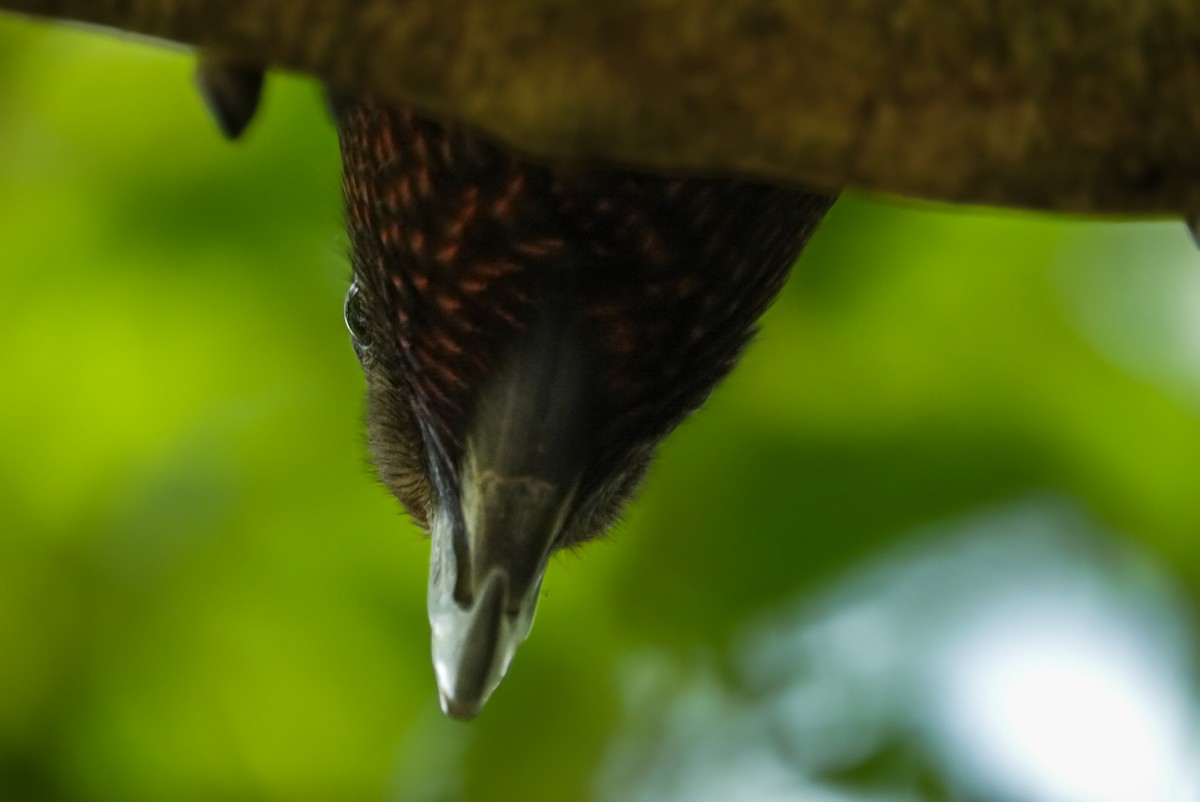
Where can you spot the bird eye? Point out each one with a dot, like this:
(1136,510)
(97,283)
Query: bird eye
(356,322)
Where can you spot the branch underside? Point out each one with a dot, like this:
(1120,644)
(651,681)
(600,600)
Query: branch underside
(1079,106)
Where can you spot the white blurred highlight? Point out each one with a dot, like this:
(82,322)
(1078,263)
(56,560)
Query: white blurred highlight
(1013,656)
(1043,700)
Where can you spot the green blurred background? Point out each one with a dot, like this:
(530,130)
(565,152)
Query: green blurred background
(204,595)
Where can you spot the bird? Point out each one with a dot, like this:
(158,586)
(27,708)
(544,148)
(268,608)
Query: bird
(529,333)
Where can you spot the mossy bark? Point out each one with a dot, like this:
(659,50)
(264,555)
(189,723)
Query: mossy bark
(1083,106)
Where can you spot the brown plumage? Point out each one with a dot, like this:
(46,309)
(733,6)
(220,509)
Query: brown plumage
(529,334)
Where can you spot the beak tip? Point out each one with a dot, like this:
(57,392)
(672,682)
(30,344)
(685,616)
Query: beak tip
(474,639)
(457,709)
(472,647)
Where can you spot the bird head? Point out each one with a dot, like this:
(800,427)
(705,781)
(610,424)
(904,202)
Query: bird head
(529,334)
(502,469)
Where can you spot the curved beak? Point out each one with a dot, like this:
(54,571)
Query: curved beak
(493,536)
(485,573)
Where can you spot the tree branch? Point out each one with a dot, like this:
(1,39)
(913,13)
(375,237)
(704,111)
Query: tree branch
(1086,106)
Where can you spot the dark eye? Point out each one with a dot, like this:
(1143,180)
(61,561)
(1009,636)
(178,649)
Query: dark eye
(356,323)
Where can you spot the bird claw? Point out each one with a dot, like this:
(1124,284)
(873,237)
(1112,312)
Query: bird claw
(1192,221)
(231,91)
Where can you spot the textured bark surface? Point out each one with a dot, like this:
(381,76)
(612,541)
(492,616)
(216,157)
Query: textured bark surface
(1071,105)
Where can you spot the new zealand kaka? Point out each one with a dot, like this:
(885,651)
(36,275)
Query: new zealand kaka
(529,335)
